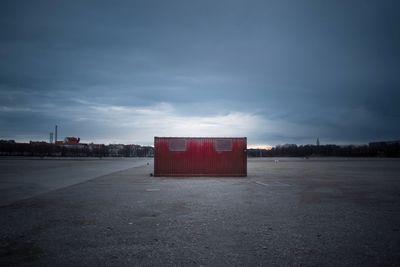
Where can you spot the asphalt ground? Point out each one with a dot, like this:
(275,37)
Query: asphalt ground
(287,212)
(26,177)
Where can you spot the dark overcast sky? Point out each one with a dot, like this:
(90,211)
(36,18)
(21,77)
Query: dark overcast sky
(274,71)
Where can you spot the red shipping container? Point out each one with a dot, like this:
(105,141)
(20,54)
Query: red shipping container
(200,156)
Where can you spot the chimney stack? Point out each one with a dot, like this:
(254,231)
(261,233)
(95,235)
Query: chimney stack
(55,135)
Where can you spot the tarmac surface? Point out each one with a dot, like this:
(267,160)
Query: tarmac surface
(27,177)
(287,212)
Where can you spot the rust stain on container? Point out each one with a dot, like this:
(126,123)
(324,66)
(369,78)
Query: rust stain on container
(200,156)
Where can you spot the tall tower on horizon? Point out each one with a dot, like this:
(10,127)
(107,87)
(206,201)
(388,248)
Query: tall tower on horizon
(317,141)
(55,134)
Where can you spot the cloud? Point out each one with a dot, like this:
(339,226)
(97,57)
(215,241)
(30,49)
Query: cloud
(108,123)
(141,124)
(277,72)
(103,123)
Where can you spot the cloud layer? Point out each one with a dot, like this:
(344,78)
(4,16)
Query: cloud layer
(277,72)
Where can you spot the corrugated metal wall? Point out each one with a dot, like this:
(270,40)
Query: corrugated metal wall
(188,156)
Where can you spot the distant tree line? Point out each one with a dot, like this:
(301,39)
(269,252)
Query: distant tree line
(44,149)
(382,149)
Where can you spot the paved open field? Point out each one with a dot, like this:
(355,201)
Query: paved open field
(27,177)
(293,212)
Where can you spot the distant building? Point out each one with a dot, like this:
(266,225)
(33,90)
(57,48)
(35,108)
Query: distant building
(72,147)
(385,148)
(37,143)
(71,140)
(115,150)
(7,141)
(383,143)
